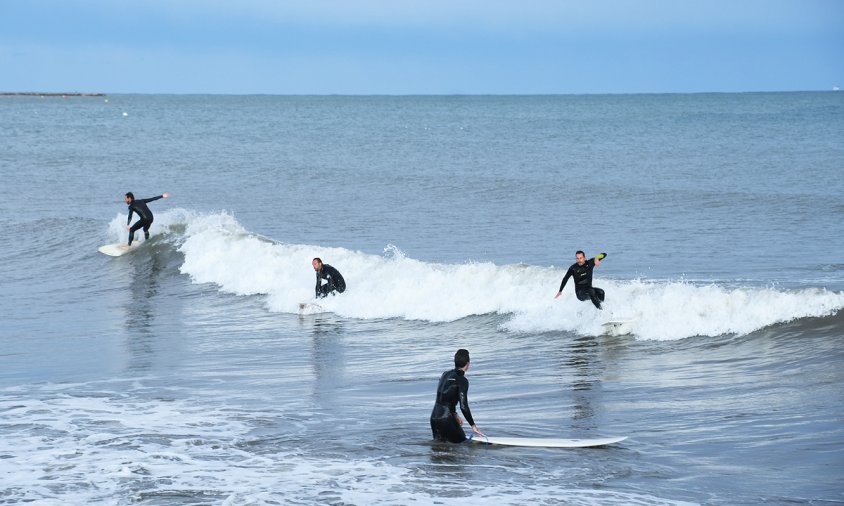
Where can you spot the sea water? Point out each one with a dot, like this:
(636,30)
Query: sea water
(183,373)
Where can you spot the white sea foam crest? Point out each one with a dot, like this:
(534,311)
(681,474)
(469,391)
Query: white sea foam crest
(218,250)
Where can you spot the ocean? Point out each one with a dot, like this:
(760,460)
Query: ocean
(184,374)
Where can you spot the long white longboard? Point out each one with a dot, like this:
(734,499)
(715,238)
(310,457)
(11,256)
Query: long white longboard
(539,442)
(118,249)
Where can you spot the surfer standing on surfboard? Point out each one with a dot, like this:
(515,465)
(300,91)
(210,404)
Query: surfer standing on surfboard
(581,270)
(140,206)
(334,281)
(452,389)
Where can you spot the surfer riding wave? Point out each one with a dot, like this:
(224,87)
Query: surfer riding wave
(581,271)
(145,216)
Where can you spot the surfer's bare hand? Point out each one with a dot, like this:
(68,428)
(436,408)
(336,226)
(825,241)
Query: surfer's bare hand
(459,420)
(165,195)
(477,431)
(558,295)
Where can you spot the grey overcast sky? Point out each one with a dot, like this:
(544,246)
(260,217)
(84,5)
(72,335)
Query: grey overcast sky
(420,47)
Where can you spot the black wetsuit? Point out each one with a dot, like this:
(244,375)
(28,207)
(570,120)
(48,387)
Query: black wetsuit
(334,278)
(140,206)
(583,288)
(453,388)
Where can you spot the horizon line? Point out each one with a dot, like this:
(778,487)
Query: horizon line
(455,94)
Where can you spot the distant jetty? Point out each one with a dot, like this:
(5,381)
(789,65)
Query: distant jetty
(36,94)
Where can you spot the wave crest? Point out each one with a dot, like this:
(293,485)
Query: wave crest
(217,249)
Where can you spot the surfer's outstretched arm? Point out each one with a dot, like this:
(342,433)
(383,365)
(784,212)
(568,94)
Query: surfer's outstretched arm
(152,199)
(563,284)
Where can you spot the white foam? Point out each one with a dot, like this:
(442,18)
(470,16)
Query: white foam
(676,309)
(218,250)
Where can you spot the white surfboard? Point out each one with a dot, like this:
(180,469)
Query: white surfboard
(310,308)
(619,326)
(538,442)
(118,249)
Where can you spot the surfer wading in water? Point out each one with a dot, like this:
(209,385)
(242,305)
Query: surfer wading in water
(451,390)
(581,271)
(140,206)
(333,280)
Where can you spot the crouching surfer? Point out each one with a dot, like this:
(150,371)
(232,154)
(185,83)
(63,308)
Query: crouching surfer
(328,279)
(581,271)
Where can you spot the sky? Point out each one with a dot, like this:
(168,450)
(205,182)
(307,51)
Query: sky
(381,47)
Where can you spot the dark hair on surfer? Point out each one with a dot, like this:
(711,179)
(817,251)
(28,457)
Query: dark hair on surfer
(317,259)
(579,252)
(130,195)
(461,358)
